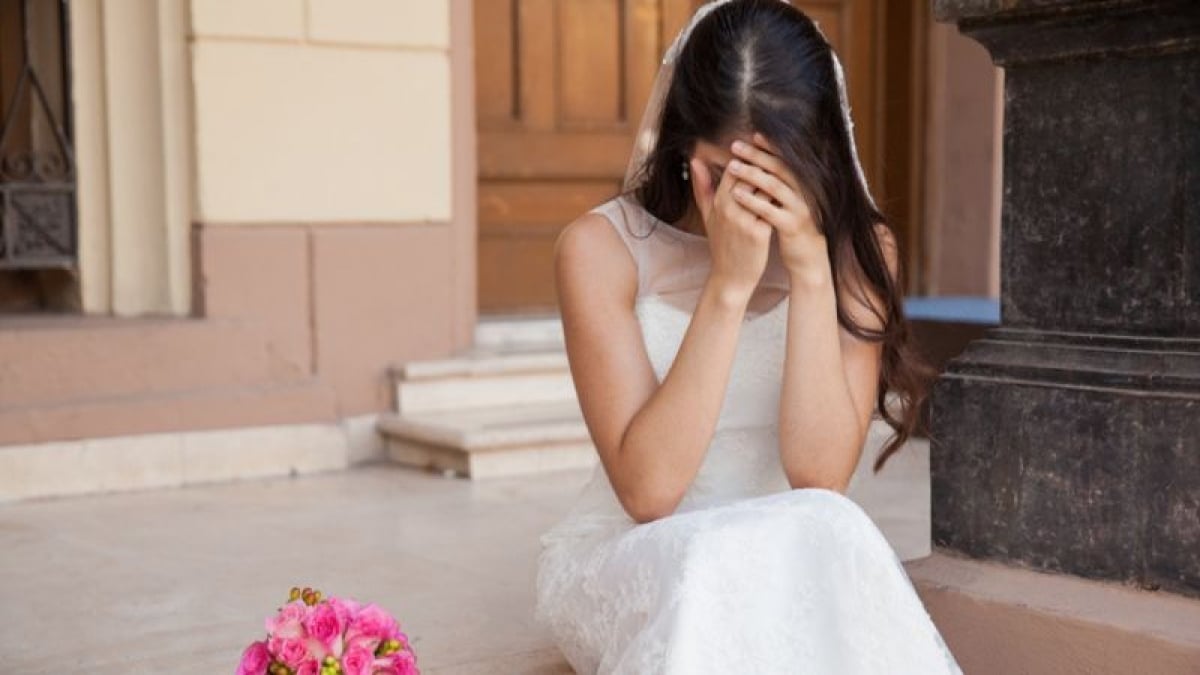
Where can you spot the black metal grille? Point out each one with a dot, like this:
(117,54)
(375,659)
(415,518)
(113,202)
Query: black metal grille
(37,160)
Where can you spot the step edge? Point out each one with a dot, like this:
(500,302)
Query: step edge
(556,444)
(1158,614)
(470,443)
(567,429)
(480,366)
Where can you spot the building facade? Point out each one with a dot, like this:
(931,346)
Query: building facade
(277,201)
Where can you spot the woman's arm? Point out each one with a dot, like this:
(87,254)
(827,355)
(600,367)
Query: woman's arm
(830,380)
(651,438)
(830,377)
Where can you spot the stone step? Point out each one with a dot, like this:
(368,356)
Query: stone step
(484,378)
(999,618)
(506,331)
(481,362)
(491,442)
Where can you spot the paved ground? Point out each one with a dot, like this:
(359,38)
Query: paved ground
(180,580)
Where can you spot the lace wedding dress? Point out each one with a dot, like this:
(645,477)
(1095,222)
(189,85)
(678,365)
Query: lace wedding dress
(747,576)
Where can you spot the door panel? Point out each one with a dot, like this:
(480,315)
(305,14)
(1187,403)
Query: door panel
(495,98)
(560,85)
(851,26)
(560,88)
(513,210)
(589,76)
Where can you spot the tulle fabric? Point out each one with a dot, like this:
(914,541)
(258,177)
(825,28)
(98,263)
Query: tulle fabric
(673,265)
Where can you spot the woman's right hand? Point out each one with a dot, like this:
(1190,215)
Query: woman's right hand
(738,241)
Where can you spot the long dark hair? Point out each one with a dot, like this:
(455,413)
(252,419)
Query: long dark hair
(762,65)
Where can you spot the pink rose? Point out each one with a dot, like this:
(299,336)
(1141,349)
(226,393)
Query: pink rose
(292,652)
(346,609)
(255,660)
(354,639)
(309,667)
(401,663)
(324,625)
(358,661)
(317,649)
(373,622)
(288,623)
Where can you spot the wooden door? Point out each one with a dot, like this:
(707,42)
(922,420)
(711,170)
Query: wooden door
(560,86)
(851,26)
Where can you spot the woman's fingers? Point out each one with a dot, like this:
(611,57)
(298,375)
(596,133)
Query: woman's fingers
(741,212)
(764,154)
(759,205)
(787,220)
(728,181)
(710,197)
(766,182)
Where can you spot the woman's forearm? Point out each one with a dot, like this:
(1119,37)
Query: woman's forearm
(819,429)
(665,443)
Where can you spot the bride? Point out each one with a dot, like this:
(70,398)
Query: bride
(732,322)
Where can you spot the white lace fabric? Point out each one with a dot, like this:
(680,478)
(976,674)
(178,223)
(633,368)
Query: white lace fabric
(748,575)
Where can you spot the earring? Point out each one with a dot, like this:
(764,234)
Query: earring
(685,173)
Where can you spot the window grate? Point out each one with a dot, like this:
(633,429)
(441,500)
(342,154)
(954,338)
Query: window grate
(37,161)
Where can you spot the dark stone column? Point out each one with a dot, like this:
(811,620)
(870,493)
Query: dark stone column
(1068,439)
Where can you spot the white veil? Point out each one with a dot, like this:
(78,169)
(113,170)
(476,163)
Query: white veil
(647,132)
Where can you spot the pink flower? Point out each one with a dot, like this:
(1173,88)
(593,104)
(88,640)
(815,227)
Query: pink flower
(255,660)
(291,651)
(346,609)
(358,661)
(324,625)
(354,639)
(317,649)
(288,623)
(402,662)
(302,636)
(373,622)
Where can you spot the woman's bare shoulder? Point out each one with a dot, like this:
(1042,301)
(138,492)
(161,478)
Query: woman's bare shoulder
(590,256)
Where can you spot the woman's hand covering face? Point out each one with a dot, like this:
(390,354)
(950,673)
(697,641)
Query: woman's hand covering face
(769,190)
(738,241)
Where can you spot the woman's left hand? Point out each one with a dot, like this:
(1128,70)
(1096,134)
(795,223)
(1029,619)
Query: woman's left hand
(771,191)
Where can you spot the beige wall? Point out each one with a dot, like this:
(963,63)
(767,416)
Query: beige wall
(962,159)
(133,143)
(322,111)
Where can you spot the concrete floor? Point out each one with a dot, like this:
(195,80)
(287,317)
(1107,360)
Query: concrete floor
(180,580)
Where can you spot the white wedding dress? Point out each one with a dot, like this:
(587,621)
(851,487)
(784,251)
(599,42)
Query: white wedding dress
(747,576)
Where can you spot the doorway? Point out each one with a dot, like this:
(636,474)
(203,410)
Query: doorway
(560,87)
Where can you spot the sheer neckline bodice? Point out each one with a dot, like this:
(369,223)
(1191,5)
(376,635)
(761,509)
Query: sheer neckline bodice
(674,231)
(675,264)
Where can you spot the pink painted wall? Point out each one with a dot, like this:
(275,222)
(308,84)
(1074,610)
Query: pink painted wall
(963,167)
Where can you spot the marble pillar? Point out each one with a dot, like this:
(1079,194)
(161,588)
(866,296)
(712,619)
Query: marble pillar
(1068,439)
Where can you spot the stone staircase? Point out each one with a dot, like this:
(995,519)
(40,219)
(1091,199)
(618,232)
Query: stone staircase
(506,407)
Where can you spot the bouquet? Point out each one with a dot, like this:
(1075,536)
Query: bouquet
(311,635)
